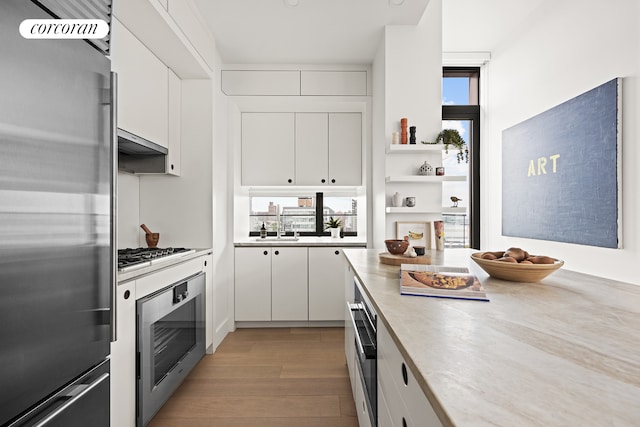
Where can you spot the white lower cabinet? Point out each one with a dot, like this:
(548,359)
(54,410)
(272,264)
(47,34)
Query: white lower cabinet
(123,359)
(289,284)
(349,330)
(406,403)
(384,416)
(326,284)
(360,399)
(271,284)
(252,284)
(207,267)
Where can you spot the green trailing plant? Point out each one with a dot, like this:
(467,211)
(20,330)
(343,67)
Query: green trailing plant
(452,137)
(333,223)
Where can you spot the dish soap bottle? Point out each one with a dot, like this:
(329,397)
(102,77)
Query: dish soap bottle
(263,231)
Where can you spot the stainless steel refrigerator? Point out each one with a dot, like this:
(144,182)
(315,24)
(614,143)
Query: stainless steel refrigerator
(56,225)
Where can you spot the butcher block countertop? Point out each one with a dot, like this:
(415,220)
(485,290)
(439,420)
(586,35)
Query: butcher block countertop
(562,352)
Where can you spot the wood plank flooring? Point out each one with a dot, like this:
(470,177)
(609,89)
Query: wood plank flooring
(281,377)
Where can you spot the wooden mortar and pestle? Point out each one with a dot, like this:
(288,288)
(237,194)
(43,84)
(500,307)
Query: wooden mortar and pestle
(152,238)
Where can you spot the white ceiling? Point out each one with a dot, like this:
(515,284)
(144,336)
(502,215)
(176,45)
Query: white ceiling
(348,31)
(314,32)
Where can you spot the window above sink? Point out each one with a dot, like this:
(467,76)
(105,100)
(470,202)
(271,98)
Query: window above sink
(303,215)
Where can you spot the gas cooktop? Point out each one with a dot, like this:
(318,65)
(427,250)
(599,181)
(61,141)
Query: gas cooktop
(129,259)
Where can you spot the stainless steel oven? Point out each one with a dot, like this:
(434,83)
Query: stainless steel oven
(170,342)
(364,320)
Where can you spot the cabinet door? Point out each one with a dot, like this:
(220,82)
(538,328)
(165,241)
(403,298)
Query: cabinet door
(175,126)
(268,149)
(345,148)
(359,397)
(252,284)
(123,359)
(143,90)
(326,284)
(289,284)
(210,327)
(349,329)
(312,148)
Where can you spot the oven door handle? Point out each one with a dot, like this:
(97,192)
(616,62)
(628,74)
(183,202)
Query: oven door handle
(352,308)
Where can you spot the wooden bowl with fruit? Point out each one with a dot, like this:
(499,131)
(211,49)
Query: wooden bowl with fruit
(516,265)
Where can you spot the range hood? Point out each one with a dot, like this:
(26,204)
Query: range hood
(139,155)
(134,145)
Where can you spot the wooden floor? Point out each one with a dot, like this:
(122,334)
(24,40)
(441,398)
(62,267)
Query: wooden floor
(267,377)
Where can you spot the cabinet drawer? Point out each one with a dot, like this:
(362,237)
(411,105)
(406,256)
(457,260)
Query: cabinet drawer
(393,371)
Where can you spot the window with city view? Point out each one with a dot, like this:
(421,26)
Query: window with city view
(301,213)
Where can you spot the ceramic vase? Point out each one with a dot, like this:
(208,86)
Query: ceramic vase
(412,135)
(425,169)
(396,200)
(438,228)
(403,131)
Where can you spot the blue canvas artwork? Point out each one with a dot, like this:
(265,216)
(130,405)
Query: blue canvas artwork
(560,172)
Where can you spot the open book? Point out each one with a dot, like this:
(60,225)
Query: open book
(440,281)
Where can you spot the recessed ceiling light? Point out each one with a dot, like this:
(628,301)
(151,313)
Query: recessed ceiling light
(396,2)
(293,3)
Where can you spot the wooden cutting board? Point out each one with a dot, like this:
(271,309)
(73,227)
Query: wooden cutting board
(387,258)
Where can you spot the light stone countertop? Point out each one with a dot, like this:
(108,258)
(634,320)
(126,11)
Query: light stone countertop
(562,352)
(324,241)
(125,276)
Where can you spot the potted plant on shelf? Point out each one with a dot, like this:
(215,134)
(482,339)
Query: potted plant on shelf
(452,137)
(334,226)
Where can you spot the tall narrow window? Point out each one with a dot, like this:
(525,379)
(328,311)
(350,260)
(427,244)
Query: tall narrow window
(461,200)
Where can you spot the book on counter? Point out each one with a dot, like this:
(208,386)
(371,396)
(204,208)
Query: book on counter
(440,282)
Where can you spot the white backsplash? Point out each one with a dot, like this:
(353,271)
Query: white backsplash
(128,211)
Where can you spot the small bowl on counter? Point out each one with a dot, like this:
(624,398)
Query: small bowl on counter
(514,271)
(396,247)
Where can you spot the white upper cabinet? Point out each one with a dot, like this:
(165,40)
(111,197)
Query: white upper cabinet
(268,149)
(345,148)
(294,82)
(174,157)
(143,90)
(333,83)
(260,82)
(312,148)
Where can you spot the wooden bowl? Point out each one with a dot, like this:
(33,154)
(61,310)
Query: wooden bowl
(397,247)
(516,272)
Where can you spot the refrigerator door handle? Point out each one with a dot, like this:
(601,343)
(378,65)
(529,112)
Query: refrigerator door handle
(114,203)
(73,400)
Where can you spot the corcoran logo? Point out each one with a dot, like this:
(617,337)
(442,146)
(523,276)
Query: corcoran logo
(64,29)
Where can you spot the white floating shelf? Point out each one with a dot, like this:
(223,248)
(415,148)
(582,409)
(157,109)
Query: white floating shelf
(408,210)
(459,210)
(414,148)
(424,179)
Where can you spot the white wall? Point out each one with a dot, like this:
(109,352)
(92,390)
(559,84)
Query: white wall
(565,49)
(180,208)
(223,256)
(410,61)
(128,211)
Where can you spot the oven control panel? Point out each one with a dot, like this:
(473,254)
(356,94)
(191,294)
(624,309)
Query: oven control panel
(180,292)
